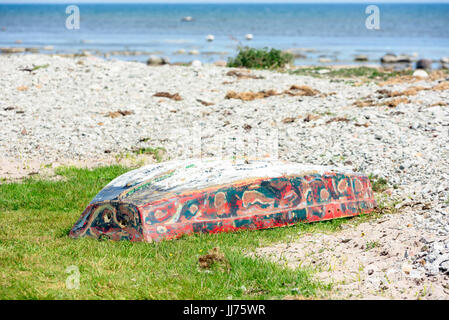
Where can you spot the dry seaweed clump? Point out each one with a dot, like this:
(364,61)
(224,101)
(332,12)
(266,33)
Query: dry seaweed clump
(174,96)
(205,103)
(439,104)
(249,95)
(396,101)
(119,113)
(444,85)
(412,91)
(434,75)
(296,90)
(364,103)
(242,75)
(214,257)
(337,119)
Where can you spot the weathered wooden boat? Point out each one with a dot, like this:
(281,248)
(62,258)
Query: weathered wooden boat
(171,199)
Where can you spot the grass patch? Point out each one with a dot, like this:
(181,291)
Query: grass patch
(265,58)
(35,252)
(361,72)
(378,184)
(371,245)
(157,152)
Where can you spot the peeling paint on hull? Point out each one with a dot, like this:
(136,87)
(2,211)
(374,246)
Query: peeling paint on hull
(166,201)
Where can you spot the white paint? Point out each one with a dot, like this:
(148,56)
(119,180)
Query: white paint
(203,173)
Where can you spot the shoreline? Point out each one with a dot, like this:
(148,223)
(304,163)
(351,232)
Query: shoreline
(186,57)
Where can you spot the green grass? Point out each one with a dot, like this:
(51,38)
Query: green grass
(363,72)
(371,245)
(265,58)
(156,152)
(43,66)
(378,184)
(35,251)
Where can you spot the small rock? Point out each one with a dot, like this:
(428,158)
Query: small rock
(220,63)
(32,50)
(420,73)
(156,61)
(196,63)
(424,64)
(210,38)
(406,268)
(403,58)
(389,58)
(297,53)
(361,57)
(444,60)
(194,52)
(444,266)
(187,19)
(12,50)
(324,60)
(249,36)
(180,51)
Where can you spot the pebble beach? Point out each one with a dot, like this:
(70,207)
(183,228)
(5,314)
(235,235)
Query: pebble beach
(88,111)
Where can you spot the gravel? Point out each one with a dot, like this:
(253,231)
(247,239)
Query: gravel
(60,113)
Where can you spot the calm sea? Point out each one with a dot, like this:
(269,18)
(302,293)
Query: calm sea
(336,31)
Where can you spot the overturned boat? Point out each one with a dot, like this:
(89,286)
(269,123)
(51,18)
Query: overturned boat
(171,199)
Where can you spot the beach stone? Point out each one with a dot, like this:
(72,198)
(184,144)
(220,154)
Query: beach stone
(389,58)
(187,19)
(324,60)
(361,57)
(249,36)
(210,38)
(445,66)
(32,50)
(180,51)
(420,73)
(12,50)
(196,63)
(220,63)
(444,60)
(424,64)
(444,266)
(296,52)
(404,58)
(156,61)
(194,52)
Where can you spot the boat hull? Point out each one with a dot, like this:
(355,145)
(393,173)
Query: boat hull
(146,209)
